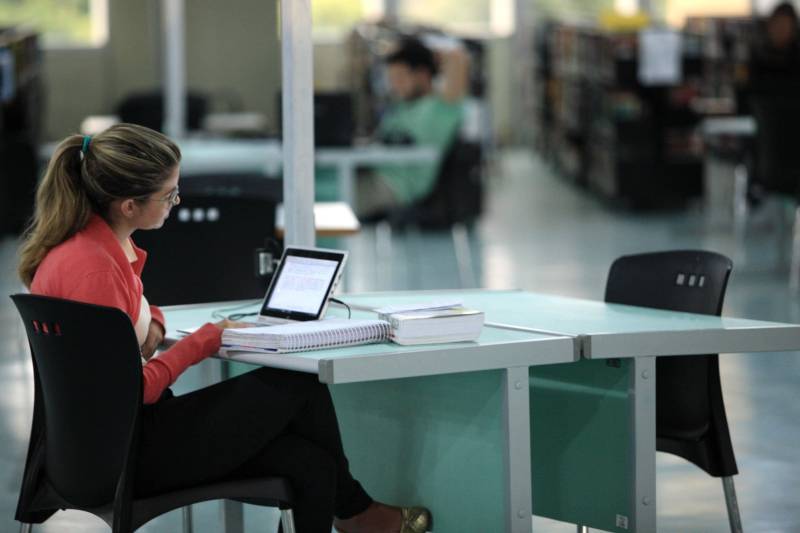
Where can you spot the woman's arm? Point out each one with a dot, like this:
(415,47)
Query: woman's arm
(160,372)
(108,289)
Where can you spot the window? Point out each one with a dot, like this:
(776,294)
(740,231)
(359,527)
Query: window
(62,23)
(334,18)
(479,17)
(573,10)
(677,11)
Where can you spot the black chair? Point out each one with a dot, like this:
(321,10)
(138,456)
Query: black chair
(457,195)
(147,109)
(86,416)
(453,204)
(213,245)
(690,412)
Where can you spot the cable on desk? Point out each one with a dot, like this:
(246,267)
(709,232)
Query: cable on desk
(340,302)
(220,314)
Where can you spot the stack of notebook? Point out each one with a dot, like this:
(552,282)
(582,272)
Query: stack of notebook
(420,324)
(302,336)
(411,324)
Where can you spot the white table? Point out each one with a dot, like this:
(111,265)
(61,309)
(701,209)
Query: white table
(331,219)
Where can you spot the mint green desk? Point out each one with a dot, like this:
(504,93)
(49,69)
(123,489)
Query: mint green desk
(446,425)
(593,422)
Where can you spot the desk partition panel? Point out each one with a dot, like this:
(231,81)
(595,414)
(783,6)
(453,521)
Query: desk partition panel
(581,444)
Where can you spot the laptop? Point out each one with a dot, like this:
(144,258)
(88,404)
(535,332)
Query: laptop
(302,286)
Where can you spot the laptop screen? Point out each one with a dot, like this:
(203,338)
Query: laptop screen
(303,283)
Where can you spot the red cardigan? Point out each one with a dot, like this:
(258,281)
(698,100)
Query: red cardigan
(91,267)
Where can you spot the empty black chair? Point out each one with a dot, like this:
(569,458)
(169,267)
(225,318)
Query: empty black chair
(690,412)
(207,249)
(84,438)
(147,109)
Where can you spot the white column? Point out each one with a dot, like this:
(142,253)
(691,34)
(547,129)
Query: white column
(298,122)
(174,64)
(524,50)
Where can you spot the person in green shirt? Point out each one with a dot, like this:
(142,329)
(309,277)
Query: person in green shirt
(420,115)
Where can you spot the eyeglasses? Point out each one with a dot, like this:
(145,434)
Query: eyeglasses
(172,198)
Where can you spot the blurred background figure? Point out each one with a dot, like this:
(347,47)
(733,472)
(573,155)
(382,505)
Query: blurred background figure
(775,100)
(419,114)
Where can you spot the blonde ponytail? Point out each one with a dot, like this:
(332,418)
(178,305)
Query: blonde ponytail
(82,178)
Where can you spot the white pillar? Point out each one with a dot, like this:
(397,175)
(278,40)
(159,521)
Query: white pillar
(174,64)
(298,122)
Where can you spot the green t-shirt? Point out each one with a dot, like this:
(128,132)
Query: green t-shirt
(428,121)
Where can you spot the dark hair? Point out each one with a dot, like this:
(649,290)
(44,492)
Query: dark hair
(84,176)
(416,55)
(784,9)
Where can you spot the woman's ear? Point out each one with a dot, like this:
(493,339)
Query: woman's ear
(128,208)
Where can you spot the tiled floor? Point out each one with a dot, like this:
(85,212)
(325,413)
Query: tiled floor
(541,234)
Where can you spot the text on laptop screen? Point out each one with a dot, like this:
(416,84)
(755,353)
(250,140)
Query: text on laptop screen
(303,284)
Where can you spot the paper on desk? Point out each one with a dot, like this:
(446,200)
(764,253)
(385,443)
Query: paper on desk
(433,305)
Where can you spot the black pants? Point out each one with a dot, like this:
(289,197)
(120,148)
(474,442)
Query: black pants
(265,422)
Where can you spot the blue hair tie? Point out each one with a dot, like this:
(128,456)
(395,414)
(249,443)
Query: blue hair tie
(86,140)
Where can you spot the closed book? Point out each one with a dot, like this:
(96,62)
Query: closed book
(434,326)
(304,336)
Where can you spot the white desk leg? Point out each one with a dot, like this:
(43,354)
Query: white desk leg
(232,516)
(519,508)
(643,419)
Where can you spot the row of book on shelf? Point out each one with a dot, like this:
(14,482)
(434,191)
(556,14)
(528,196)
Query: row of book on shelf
(420,323)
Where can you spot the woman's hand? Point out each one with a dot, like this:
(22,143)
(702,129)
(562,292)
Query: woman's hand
(155,336)
(225,324)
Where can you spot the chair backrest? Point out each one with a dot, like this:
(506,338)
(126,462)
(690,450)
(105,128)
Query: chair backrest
(689,281)
(689,406)
(334,118)
(88,378)
(457,195)
(206,250)
(147,109)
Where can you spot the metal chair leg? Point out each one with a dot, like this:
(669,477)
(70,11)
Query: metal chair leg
(583,529)
(188,527)
(740,202)
(25,528)
(794,267)
(287,521)
(734,517)
(383,252)
(466,273)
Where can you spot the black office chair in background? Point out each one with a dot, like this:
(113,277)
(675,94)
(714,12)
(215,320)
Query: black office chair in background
(218,244)
(84,437)
(690,412)
(147,109)
(454,203)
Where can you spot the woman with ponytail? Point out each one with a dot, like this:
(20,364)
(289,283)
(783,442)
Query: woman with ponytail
(96,192)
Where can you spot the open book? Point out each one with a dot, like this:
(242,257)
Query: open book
(303,336)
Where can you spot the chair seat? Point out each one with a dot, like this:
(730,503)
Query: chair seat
(267,491)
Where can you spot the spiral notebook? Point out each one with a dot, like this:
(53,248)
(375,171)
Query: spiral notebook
(303,336)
